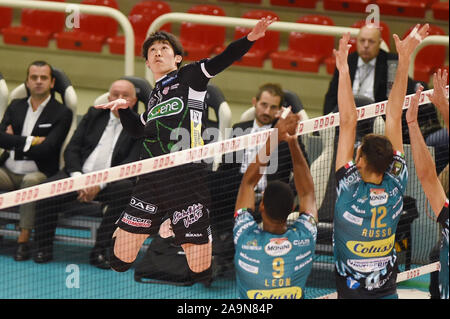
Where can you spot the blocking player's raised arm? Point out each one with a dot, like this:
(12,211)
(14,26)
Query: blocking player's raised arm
(304,183)
(438,97)
(396,98)
(423,161)
(346,105)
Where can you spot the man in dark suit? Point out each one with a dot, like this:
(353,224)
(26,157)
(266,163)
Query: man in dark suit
(98,143)
(224,183)
(32,132)
(372,72)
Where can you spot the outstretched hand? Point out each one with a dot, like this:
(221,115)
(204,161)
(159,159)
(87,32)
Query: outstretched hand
(407,46)
(413,110)
(341,53)
(438,97)
(287,124)
(114,105)
(259,30)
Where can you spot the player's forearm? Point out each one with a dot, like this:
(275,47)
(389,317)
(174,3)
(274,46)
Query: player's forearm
(425,167)
(255,170)
(302,175)
(346,101)
(398,92)
(233,52)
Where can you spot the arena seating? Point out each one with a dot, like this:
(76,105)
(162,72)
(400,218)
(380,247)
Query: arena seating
(301,57)
(440,10)
(346,5)
(403,8)
(92,32)
(200,40)
(141,17)
(6,15)
(36,27)
(295,3)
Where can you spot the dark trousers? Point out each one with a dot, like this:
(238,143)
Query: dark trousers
(114,197)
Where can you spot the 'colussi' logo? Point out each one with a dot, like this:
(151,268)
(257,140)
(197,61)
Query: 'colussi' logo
(375,248)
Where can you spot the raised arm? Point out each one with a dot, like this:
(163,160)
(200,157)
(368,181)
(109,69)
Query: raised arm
(346,105)
(283,129)
(396,98)
(235,50)
(438,97)
(425,167)
(304,183)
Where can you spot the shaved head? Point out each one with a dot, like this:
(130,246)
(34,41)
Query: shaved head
(368,42)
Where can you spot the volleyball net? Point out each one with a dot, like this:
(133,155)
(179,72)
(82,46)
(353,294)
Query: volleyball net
(417,236)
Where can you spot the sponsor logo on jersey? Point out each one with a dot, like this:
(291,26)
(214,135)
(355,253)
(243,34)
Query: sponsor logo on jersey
(167,108)
(369,265)
(278,293)
(278,247)
(352,218)
(375,248)
(135,221)
(352,283)
(378,196)
(196,129)
(143,206)
(249,268)
(189,216)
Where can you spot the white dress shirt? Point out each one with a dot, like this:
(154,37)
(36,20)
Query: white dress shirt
(101,156)
(364,78)
(27,166)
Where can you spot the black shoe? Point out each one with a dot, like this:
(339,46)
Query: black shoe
(99,259)
(43,256)
(22,252)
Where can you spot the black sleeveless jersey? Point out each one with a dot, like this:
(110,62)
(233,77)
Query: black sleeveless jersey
(176,110)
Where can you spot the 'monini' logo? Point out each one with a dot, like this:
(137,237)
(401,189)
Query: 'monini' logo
(166,108)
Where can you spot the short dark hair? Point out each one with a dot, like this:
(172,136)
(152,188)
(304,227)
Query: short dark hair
(273,88)
(378,152)
(278,200)
(40,63)
(163,36)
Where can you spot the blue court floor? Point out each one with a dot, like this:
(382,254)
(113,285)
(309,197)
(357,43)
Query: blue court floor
(70,276)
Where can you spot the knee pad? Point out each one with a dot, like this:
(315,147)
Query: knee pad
(116,263)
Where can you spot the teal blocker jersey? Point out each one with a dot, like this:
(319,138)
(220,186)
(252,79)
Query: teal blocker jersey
(270,266)
(365,222)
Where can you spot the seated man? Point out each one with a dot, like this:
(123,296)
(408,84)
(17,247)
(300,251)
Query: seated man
(98,143)
(280,268)
(32,132)
(226,180)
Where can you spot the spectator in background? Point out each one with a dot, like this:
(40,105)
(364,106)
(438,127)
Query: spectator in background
(32,133)
(99,142)
(372,72)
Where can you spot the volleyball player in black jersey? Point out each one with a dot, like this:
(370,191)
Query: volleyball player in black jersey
(173,116)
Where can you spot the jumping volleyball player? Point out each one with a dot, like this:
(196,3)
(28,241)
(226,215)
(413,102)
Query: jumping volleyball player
(181,193)
(370,190)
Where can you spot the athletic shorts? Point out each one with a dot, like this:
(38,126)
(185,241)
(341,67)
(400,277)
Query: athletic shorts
(349,288)
(179,193)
